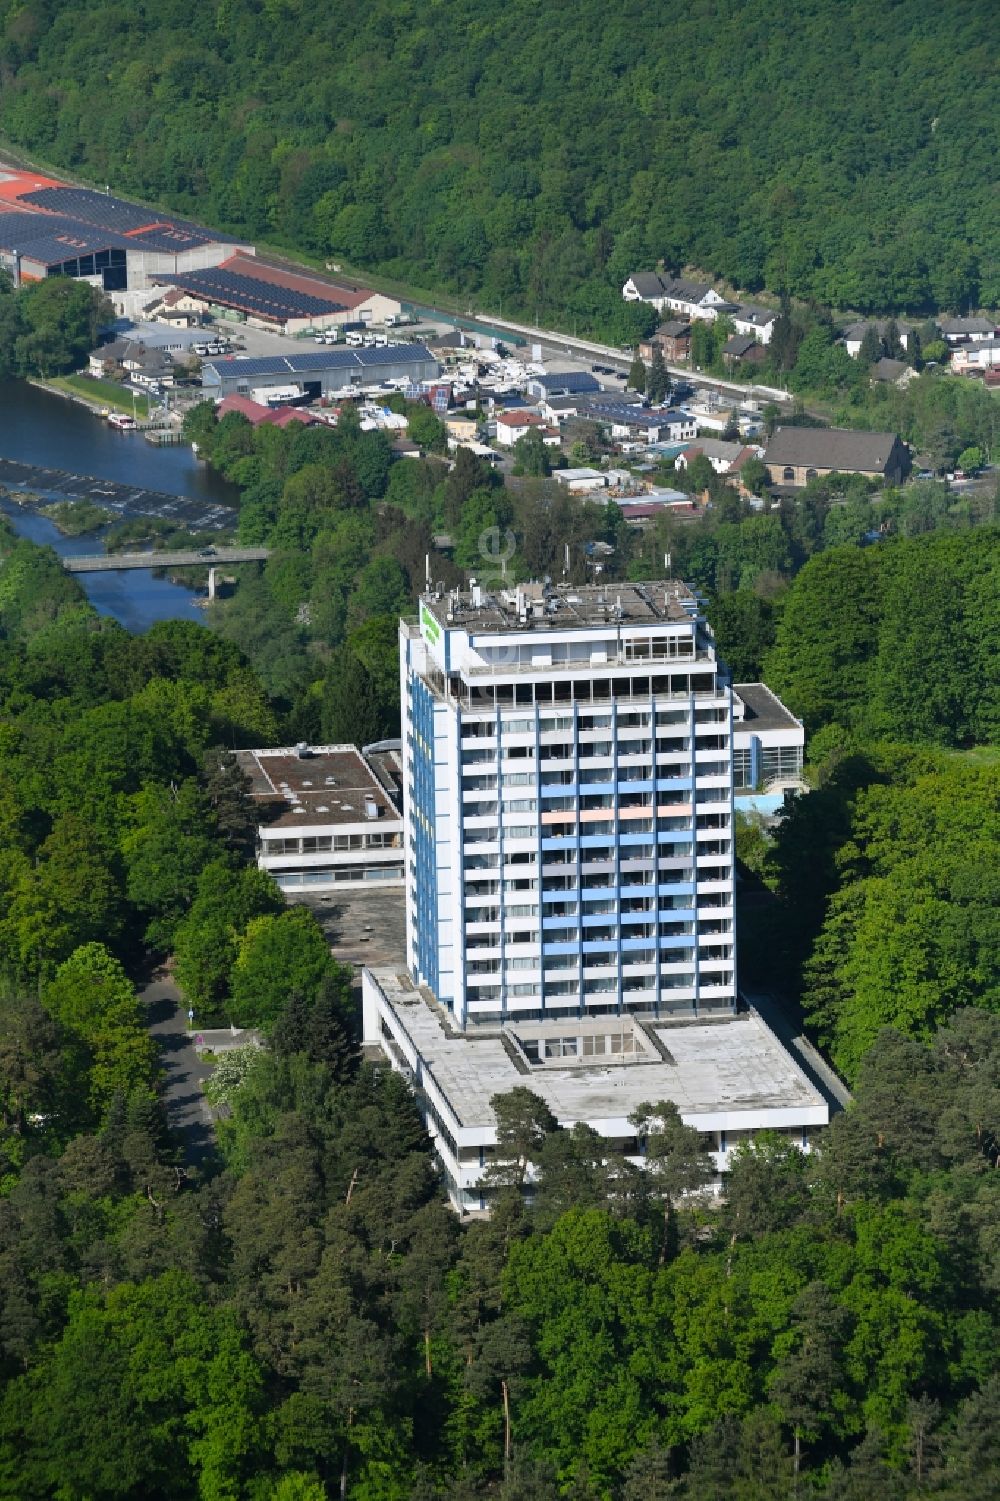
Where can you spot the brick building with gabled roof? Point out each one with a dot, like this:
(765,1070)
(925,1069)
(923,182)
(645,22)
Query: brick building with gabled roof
(796,455)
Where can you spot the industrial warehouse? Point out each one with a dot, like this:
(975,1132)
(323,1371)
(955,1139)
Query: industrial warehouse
(50,229)
(307,377)
(277,298)
(53,230)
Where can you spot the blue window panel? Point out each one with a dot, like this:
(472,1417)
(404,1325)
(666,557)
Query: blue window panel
(559,844)
(679,888)
(675,784)
(572,947)
(555,924)
(606,946)
(562,789)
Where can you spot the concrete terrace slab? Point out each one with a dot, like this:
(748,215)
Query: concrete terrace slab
(721,1074)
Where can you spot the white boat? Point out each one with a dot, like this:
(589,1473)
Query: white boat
(122,422)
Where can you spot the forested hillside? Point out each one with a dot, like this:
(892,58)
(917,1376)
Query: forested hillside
(537,155)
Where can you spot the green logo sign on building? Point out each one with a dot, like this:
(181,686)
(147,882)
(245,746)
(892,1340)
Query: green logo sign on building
(429,627)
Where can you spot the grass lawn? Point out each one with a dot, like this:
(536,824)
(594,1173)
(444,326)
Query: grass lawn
(103,393)
(977,755)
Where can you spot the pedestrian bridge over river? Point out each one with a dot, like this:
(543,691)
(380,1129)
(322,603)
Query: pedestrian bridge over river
(212,560)
(112,562)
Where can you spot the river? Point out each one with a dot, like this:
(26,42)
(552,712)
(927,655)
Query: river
(39,428)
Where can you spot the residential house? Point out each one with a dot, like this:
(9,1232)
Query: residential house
(721,455)
(148,367)
(646,286)
(178,309)
(960,330)
(976,357)
(694,299)
(796,455)
(107,359)
(633,423)
(556,409)
(739,347)
(512,426)
(756,321)
(854,336)
(672,339)
(893,372)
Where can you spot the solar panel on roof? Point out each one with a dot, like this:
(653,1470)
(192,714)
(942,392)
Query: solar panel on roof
(108,212)
(247,294)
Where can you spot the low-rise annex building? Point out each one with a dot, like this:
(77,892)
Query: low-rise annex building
(730,1077)
(329,815)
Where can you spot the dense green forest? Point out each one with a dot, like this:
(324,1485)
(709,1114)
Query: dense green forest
(535,157)
(306,1318)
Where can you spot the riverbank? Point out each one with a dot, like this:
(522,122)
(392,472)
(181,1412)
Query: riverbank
(96,394)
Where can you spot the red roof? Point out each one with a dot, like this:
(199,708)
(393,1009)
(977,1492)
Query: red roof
(257,414)
(293,281)
(521,419)
(251,410)
(282,416)
(13,184)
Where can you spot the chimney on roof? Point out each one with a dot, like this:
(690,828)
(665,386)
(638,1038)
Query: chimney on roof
(302,750)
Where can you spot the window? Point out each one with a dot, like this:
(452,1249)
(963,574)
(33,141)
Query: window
(281,847)
(788,473)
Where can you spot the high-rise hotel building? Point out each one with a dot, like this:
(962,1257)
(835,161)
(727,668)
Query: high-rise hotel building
(568,861)
(568,774)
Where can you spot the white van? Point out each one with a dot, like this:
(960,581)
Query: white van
(355,340)
(331,336)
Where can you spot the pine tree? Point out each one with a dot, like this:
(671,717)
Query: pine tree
(637,376)
(330,1028)
(228,790)
(658,379)
(871,350)
(293,1028)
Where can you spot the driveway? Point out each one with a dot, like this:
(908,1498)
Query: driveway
(187,1109)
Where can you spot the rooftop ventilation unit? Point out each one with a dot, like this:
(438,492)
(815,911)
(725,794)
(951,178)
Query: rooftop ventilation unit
(303,751)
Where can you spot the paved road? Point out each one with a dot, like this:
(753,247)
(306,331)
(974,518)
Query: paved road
(187,1108)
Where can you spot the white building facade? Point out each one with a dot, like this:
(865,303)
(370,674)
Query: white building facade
(567,764)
